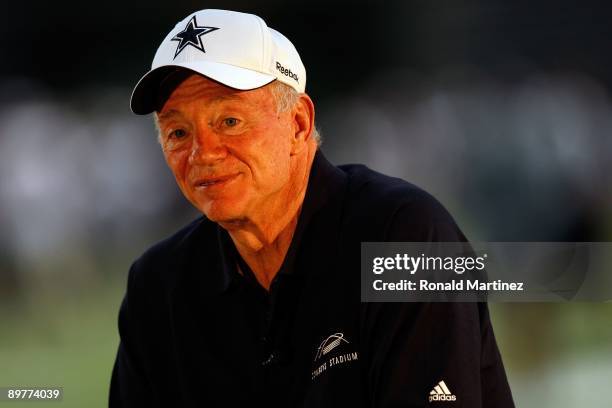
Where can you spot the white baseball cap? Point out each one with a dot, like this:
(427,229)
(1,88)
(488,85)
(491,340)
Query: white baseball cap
(235,49)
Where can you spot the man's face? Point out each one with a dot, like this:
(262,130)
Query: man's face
(229,150)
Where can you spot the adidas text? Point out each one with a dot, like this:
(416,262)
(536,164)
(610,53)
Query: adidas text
(442,398)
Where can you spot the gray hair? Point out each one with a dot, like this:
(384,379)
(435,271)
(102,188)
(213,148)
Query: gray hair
(285,96)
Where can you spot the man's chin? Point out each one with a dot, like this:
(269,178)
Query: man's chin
(221,213)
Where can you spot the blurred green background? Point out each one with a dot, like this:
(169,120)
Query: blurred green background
(502,110)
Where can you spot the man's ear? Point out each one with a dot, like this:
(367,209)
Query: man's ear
(303,123)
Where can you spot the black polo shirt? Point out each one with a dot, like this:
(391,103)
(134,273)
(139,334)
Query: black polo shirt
(197,330)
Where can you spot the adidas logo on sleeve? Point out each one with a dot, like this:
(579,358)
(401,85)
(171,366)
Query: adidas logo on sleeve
(441,393)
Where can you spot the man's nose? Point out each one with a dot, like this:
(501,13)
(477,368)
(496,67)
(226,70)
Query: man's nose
(207,147)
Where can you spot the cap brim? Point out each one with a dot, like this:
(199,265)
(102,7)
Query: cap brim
(144,98)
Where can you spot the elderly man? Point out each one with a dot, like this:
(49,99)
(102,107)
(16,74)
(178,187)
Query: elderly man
(257,303)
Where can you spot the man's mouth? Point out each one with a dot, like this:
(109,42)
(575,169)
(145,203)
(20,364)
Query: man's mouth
(209,182)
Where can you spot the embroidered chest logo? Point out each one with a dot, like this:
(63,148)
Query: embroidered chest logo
(329,344)
(335,341)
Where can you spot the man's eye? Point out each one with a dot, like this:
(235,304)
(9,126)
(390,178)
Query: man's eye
(230,122)
(178,134)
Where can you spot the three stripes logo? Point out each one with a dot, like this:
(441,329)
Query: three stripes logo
(441,393)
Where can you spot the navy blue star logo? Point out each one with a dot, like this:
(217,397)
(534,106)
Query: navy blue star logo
(191,36)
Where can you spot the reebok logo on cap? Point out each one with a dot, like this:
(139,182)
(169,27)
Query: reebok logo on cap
(286,71)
